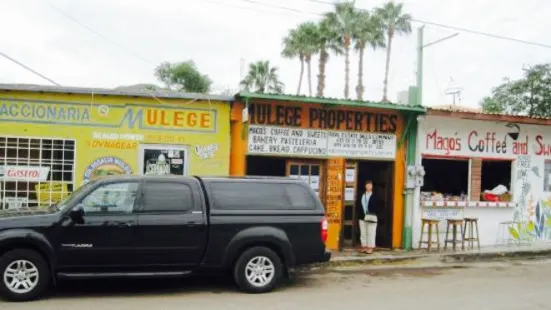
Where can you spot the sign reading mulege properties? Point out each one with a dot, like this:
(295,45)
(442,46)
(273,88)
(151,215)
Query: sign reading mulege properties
(266,140)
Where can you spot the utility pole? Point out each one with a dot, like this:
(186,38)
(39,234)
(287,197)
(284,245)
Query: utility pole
(411,157)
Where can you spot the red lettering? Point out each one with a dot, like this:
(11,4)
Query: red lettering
(542,148)
(448,144)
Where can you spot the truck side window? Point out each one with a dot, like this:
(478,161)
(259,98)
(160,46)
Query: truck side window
(115,198)
(261,196)
(167,197)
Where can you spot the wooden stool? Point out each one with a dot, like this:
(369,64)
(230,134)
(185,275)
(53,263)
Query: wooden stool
(429,242)
(471,223)
(454,223)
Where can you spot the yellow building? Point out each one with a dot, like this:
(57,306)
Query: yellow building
(54,139)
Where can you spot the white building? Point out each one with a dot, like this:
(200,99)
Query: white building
(469,157)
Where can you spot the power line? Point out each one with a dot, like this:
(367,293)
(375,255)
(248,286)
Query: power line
(471,31)
(28,68)
(281,7)
(99,34)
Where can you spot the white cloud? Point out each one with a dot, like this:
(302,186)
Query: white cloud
(216,34)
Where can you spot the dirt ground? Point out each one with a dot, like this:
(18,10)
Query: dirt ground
(509,285)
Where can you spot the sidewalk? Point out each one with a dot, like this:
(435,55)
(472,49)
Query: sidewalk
(401,257)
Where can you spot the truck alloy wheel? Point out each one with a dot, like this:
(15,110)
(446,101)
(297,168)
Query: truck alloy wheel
(258,270)
(21,276)
(25,275)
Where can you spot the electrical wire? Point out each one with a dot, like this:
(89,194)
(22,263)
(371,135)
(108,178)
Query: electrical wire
(28,68)
(471,31)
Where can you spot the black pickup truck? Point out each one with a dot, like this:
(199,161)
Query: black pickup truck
(162,226)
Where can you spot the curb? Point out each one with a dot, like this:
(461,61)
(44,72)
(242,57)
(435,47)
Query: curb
(436,259)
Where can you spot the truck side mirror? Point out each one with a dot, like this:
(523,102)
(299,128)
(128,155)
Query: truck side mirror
(77,214)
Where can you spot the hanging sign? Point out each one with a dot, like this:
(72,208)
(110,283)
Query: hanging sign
(357,144)
(321,143)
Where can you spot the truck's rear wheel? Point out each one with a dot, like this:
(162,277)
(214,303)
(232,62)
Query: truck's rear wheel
(25,275)
(258,270)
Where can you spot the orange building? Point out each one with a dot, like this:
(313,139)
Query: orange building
(335,146)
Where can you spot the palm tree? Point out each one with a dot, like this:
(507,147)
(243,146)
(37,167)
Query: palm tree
(329,39)
(262,78)
(394,22)
(303,42)
(368,32)
(343,19)
(291,49)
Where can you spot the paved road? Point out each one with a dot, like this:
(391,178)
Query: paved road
(487,286)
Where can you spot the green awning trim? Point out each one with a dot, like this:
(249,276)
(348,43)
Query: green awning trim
(334,102)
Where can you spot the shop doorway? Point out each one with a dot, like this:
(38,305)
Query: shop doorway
(380,173)
(310,171)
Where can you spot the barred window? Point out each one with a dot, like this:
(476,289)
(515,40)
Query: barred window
(35,172)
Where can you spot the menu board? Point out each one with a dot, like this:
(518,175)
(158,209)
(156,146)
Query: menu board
(321,143)
(291,141)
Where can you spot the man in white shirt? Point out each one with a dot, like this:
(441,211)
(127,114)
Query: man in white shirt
(367,219)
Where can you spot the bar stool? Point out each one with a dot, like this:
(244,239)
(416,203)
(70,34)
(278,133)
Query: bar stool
(471,223)
(429,242)
(454,223)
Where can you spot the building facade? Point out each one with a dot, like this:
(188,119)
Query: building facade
(492,167)
(53,140)
(333,145)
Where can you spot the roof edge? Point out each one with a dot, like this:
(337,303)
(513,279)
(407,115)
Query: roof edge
(111,92)
(481,116)
(343,102)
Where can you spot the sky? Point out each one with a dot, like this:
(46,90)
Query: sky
(130,38)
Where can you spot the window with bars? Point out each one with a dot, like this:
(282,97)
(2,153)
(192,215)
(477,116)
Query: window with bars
(35,172)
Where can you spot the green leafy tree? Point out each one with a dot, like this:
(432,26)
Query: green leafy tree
(262,78)
(302,42)
(529,95)
(343,19)
(329,40)
(368,32)
(183,76)
(394,21)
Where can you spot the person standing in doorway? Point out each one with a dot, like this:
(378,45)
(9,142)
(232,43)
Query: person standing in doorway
(367,219)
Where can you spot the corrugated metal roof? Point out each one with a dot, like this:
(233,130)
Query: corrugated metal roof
(159,93)
(334,101)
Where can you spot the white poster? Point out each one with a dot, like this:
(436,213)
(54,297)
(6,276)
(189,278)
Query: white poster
(24,173)
(350,175)
(291,141)
(364,145)
(323,143)
(349,194)
(315,182)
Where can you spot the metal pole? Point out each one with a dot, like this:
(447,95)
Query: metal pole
(420,65)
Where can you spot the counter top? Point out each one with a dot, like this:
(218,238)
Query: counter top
(467,204)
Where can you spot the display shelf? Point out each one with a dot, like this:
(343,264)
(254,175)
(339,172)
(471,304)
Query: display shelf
(467,204)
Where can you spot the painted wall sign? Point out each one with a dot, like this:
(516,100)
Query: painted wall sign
(152,117)
(469,138)
(322,143)
(206,151)
(105,166)
(361,145)
(322,118)
(24,173)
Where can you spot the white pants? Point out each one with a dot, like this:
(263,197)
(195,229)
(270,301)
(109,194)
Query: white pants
(368,232)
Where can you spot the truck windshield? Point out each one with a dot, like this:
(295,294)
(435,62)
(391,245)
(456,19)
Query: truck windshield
(67,201)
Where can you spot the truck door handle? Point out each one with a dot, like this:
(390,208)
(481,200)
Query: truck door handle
(191,223)
(123,224)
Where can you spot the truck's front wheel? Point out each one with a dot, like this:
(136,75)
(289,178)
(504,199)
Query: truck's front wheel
(258,270)
(25,275)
